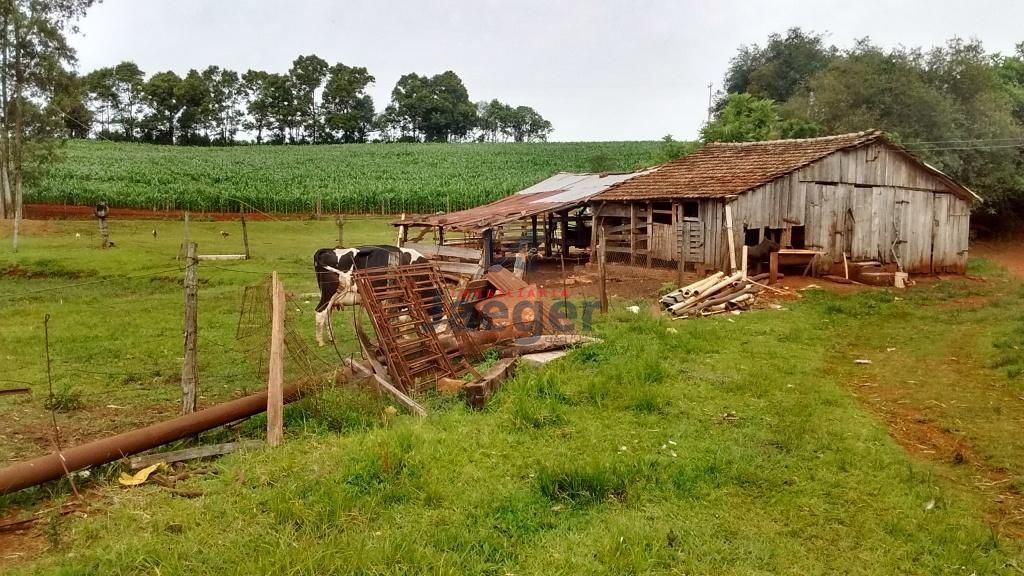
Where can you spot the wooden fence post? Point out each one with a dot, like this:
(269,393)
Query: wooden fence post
(773,268)
(275,380)
(602,286)
(186,238)
(339,221)
(245,236)
(189,373)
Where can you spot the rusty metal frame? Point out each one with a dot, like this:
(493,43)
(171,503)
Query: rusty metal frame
(398,301)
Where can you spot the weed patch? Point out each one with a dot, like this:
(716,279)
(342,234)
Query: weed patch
(585,483)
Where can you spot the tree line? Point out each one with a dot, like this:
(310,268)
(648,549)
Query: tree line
(956,106)
(313,102)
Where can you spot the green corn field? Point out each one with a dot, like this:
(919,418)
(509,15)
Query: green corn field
(365,178)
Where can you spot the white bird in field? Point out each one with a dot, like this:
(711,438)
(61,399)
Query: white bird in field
(78,234)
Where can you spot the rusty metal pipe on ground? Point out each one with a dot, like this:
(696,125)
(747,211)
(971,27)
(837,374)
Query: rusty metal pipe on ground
(49,467)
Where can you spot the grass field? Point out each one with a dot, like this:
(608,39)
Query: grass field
(368,178)
(746,445)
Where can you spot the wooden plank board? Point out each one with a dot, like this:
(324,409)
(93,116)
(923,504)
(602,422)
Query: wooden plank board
(431,251)
(275,382)
(207,451)
(461,268)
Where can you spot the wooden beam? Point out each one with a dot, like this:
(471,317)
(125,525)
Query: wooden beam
(731,239)
(650,231)
(382,383)
(595,220)
(139,462)
(432,251)
(773,268)
(548,235)
(602,270)
(564,225)
(203,257)
(275,379)
(632,233)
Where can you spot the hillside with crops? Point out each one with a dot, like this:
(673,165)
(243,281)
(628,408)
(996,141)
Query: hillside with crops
(374,178)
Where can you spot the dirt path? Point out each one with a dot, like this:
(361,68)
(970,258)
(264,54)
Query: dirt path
(1006,253)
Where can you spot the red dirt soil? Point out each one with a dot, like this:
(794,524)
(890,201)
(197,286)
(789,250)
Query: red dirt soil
(64,212)
(1006,253)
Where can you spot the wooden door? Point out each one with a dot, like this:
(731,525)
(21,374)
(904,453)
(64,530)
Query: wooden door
(691,240)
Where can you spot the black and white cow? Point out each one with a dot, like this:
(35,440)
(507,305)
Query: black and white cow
(334,269)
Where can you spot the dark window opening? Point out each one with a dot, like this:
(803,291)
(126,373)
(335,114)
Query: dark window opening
(691,210)
(751,236)
(775,234)
(662,218)
(798,236)
(667,206)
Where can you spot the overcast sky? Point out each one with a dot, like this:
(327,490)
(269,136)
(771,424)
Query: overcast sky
(599,69)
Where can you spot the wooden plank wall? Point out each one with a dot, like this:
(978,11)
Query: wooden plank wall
(856,201)
(892,200)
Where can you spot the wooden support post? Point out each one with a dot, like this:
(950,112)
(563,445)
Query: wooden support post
(679,229)
(595,219)
(275,380)
(488,248)
(632,233)
(564,226)
(339,221)
(533,228)
(743,261)
(730,237)
(773,268)
(189,373)
(601,269)
(245,237)
(650,232)
(400,241)
(547,234)
(440,235)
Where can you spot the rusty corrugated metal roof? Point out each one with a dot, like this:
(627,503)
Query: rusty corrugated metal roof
(559,192)
(724,169)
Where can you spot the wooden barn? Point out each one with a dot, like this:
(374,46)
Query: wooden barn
(857,195)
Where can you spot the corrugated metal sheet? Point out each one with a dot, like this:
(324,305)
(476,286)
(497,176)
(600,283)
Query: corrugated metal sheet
(562,191)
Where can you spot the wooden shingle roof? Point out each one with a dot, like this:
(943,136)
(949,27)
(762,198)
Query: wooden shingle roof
(724,169)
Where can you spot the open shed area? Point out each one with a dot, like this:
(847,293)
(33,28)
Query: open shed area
(551,217)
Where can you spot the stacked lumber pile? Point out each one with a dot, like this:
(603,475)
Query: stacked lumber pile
(715,294)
